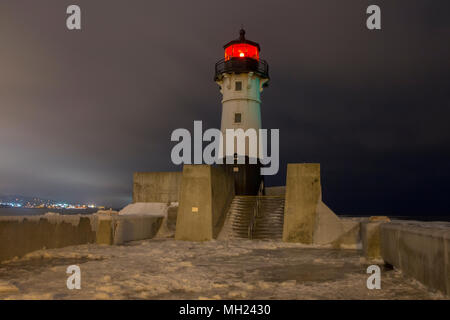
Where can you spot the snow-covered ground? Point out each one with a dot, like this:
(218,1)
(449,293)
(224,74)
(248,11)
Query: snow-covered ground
(169,269)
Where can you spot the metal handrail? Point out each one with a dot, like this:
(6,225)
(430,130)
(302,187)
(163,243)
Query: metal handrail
(256,210)
(241,65)
(261,188)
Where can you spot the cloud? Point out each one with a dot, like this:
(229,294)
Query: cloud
(80,111)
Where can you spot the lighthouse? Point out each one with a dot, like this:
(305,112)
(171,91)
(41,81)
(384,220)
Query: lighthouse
(242,75)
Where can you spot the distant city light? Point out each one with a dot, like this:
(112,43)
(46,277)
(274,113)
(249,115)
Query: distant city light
(37,203)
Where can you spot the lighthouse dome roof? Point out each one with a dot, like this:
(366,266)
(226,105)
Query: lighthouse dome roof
(242,40)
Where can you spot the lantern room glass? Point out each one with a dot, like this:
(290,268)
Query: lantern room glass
(241,50)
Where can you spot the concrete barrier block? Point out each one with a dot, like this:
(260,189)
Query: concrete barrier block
(389,234)
(327,226)
(422,256)
(275,191)
(156,186)
(205,196)
(105,231)
(135,227)
(194,220)
(447,259)
(168,224)
(307,219)
(303,193)
(21,235)
(222,192)
(371,239)
(350,238)
(120,229)
(420,251)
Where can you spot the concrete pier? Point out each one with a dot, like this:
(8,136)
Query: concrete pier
(156,186)
(22,235)
(306,218)
(420,250)
(303,193)
(205,196)
(370,235)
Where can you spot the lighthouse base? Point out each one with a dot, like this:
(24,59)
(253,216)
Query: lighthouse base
(247,177)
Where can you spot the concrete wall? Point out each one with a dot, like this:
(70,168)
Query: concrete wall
(206,193)
(156,186)
(222,185)
(350,234)
(275,191)
(420,251)
(168,224)
(330,229)
(132,227)
(370,236)
(21,235)
(307,219)
(194,220)
(303,193)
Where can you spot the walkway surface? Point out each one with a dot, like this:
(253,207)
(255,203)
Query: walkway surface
(168,269)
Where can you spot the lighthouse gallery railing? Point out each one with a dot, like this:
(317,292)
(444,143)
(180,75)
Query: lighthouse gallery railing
(242,65)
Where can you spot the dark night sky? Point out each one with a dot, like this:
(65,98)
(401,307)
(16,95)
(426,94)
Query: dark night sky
(81,111)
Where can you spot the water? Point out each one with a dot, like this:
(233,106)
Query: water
(445,218)
(36,212)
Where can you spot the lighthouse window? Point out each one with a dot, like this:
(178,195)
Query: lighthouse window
(238,85)
(237,117)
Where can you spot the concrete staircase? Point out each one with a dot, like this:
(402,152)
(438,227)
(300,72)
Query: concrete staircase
(254,217)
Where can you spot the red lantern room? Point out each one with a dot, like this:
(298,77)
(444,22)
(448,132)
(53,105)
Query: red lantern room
(242,56)
(241,48)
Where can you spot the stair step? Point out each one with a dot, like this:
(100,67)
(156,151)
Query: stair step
(268,224)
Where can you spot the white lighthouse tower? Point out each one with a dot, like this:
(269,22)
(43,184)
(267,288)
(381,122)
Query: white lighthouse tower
(242,75)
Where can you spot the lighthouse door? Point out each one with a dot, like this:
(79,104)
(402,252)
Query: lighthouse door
(247,178)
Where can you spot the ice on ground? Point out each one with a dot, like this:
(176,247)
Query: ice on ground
(49,214)
(109,212)
(7,288)
(156,209)
(174,204)
(169,269)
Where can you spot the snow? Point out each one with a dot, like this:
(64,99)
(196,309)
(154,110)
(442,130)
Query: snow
(169,269)
(55,218)
(109,212)
(7,288)
(424,224)
(156,209)
(51,214)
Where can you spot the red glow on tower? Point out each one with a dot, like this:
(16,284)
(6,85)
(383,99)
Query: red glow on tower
(241,50)
(241,56)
